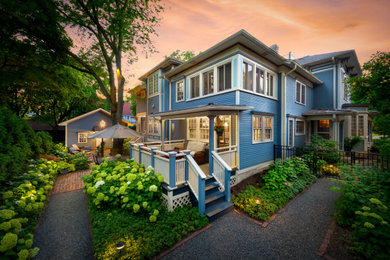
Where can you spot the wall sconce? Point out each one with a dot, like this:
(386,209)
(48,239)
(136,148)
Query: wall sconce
(102,124)
(226,124)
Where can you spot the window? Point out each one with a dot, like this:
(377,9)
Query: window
(353,125)
(224,77)
(247,76)
(152,84)
(361,126)
(299,127)
(83,138)
(262,128)
(270,84)
(180,91)
(291,132)
(153,126)
(204,128)
(259,81)
(300,93)
(208,82)
(192,128)
(195,87)
(323,128)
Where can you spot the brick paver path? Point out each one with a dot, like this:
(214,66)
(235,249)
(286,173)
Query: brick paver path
(69,182)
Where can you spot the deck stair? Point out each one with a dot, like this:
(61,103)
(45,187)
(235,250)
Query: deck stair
(216,205)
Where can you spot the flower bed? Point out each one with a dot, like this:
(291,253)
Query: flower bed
(22,202)
(283,182)
(125,205)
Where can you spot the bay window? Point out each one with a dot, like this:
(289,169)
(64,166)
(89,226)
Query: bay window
(224,77)
(247,76)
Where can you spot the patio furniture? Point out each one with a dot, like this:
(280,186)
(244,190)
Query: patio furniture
(73,150)
(198,151)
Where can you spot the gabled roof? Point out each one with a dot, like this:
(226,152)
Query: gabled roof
(88,114)
(167,62)
(243,38)
(349,55)
(126,109)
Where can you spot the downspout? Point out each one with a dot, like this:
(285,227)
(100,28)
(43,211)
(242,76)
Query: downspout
(283,104)
(334,82)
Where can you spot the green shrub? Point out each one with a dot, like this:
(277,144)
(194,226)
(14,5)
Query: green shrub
(61,151)
(42,143)
(125,184)
(80,161)
(351,143)
(381,145)
(363,206)
(21,205)
(143,240)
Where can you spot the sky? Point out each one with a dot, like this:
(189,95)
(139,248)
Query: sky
(305,27)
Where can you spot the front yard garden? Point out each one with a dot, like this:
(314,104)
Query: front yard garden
(125,204)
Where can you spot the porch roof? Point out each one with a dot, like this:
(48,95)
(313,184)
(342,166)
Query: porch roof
(203,110)
(326,112)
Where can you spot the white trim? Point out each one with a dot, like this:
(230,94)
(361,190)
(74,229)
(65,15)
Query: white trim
(86,137)
(197,129)
(262,138)
(211,95)
(85,115)
(283,109)
(293,134)
(184,92)
(170,95)
(334,86)
(304,127)
(237,97)
(257,94)
(302,86)
(319,71)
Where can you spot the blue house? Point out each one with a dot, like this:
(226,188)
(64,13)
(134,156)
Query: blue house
(213,121)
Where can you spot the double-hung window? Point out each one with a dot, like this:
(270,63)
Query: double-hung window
(299,127)
(260,81)
(153,83)
(270,84)
(208,82)
(153,126)
(262,128)
(194,85)
(82,137)
(192,128)
(204,128)
(247,76)
(224,77)
(180,91)
(300,93)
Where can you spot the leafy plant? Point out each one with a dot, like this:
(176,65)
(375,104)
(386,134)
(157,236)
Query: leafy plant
(351,143)
(80,161)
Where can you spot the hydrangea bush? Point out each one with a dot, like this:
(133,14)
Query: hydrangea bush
(21,205)
(125,184)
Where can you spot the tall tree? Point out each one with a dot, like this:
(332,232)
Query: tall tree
(109,28)
(182,55)
(373,87)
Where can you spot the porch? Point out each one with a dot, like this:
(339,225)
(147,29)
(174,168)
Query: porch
(203,158)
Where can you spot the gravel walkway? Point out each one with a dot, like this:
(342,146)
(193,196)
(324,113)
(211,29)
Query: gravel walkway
(296,233)
(63,231)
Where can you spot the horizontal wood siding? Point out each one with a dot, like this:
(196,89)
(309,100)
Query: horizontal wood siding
(228,98)
(323,94)
(153,104)
(253,154)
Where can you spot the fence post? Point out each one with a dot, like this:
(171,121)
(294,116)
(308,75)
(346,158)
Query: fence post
(152,153)
(227,185)
(172,169)
(186,152)
(315,161)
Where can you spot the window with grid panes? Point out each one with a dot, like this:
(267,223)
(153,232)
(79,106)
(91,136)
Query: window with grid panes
(267,128)
(257,129)
(192,128)
(204,128)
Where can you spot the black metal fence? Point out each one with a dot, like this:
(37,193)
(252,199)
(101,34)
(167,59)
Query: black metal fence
(333,157)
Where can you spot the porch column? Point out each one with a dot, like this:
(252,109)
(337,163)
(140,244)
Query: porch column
(211,144)
(162,134)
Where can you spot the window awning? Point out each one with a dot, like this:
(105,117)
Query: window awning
(204,110)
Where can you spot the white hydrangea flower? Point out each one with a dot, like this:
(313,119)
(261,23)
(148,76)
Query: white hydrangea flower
(99,183)
(128,182)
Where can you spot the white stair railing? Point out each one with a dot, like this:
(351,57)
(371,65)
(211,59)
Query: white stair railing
(196,181)
(222,173)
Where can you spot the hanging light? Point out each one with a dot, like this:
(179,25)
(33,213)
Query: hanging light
(102,124)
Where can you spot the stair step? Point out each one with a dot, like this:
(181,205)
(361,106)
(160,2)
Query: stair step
(212,187)
(209,179)
(219,210)
(214,196)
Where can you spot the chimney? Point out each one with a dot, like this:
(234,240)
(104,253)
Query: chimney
(291,56)
(275,47)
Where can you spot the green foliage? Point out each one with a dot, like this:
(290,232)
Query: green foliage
(125,184)
(382,145)
(363,207)
(320,143)
(261,203)
(143,239)
(16,146)
(80,161)
(42,143)
(22,202)
(281,173)
(351,143)
(182,55)
(61,151)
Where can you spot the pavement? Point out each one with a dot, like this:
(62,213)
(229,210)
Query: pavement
(296,233)
(63,231)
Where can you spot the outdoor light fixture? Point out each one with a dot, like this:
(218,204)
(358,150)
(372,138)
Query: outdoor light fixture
(257,201)
(226,124)
(102,124)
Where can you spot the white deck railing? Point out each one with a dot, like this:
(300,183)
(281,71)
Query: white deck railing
(161,165)
(229,155)
(195,175)
(180,171)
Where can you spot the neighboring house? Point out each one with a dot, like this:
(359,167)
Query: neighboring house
(140,113)
(57,136)
(126,114)
(255,98)
(79,128)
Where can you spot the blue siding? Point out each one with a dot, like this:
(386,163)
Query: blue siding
(293,108)
(299,140)
(253,154)
(84,125)
(179,129)
(153,104)
(224,98)
(323,94)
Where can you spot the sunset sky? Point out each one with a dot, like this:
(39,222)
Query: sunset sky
(304,27)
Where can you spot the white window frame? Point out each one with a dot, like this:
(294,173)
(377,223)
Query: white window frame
(291,136)
(151,126)
(79,136)
(200,85)
(177,87)
(302,87)
(296,127)
(262,129)
(197,129)
(152,89)
(266,73)
(216,77)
